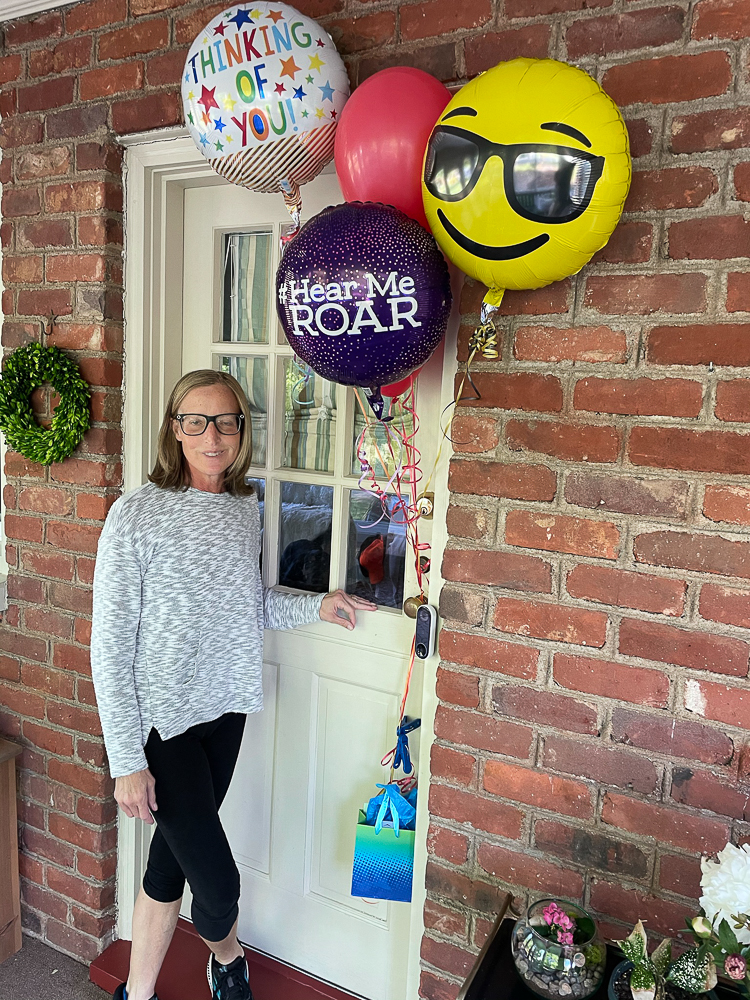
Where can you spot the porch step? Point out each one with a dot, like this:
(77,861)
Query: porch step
(183,975)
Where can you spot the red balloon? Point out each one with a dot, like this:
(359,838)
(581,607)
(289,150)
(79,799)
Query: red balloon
(402,386)
(382,135)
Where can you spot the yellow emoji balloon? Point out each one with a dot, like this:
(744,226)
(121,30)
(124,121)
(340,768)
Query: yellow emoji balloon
(525,174)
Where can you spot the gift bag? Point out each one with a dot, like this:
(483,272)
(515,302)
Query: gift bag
(384,846)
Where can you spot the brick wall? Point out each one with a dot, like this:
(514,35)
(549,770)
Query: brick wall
(593,708)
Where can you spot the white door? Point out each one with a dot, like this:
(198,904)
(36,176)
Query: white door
(312,757)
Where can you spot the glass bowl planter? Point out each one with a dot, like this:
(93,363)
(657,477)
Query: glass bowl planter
(552,969)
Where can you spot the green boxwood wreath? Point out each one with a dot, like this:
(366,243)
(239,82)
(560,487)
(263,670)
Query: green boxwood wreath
(25,370)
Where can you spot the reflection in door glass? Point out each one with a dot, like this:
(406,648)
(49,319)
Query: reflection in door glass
(376,549)
(305,536)
(252,374)
(245,287)
(309,419)
(383,450)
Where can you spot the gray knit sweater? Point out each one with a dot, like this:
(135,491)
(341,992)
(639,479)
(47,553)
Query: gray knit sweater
(179,612)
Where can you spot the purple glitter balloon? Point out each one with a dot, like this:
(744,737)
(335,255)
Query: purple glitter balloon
(363,294)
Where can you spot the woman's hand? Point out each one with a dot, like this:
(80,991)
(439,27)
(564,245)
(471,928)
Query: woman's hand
(341,608)
(135,795)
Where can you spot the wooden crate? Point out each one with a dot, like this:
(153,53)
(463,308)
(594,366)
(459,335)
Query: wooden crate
(10,895)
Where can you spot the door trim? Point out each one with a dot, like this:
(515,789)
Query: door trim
(158,169)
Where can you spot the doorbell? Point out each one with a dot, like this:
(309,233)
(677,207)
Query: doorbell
(425,631)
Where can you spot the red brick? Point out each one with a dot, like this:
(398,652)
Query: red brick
(452,765)
(480,812)
(45,96)
(79,121)
(742,180)
(591,849)
(738,289)
(530,8)
(701,553)
(725,604)
(469,522)
(67,939)
(485,50)
(50,233)
(730,705)
(43,301)
(733,400)
(95,14)
(10,69)
(489,654)
(550,621)
(571,442)
(86,337)
(669,397)
(627,590)
(39,844)
(48,622)
(724,128)
(517,391)
(696,650)
(716,238)
(112,80)
(69,657)
(135,39)
(79,720)
(671,826)
(444,921)
(92,506)
(54,683)
(101,371)
(82,196)
(544,708)
(85,569)
(43,900)
(538,301)
(83,779)
(23,645)
(671,737)
(603,764)
(462,606)
(474,434)
(96,927)
(669,79)
(73,536)
(96,841)
(166,70)
(643,294)
(722,344)
(513,481)
(514,868)
(620,32)
(498,569)
(680,875)
(721,19)
(678,187)
(22,132)
(22,269)
(663,916)
(144,113)
(21,202)
(727,503)
(76,267)
(58,566)
(33,164)
(95,231)
(15,699)
(76,470)
(443,955)
(91,752)
(439,17)
(94,867)
(562,534)
(630,243)
(628,495)
(676,448)
(10,669)
(25,529)
(51,740)
(71,53)
(702,790)
(77,599)
(25,588)
(454,688)
(587,343)
(482,732)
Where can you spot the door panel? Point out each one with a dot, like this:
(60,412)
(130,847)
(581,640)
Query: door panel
(311,759)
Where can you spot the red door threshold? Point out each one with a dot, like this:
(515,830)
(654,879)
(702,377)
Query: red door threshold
(183,975)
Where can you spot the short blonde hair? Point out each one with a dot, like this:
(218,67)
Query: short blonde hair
(170,471)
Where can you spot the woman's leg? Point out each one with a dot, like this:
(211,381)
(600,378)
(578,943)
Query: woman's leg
(153,927)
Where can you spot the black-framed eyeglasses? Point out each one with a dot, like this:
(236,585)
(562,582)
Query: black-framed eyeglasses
(194,424)
(543,183)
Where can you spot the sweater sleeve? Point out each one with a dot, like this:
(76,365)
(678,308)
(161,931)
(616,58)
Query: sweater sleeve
(289,610)
(116,618)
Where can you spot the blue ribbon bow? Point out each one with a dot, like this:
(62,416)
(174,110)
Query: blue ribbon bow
(401,756)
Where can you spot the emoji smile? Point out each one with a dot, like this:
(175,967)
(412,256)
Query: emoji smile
(491,253)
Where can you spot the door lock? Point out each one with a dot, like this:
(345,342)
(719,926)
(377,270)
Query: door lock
(426,505)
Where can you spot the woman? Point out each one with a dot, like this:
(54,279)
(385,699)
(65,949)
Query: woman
(176,653)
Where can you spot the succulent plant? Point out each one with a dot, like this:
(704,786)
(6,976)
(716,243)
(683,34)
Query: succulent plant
(694,971)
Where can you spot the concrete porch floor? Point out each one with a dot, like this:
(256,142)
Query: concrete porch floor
(38,971)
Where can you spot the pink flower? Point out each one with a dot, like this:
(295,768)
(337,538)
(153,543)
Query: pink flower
(551,913)
(564,921)
(735,966)
(565,937)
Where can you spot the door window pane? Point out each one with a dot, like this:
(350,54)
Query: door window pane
(260,492)
(246,287)
(381,444)
(309,419)
(305,536)
(252,374)
(376,549)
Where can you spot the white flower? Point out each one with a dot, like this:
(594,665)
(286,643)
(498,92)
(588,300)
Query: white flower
(726,887)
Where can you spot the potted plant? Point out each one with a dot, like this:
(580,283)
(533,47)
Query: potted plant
(722,929)
(653,977)
(557,950)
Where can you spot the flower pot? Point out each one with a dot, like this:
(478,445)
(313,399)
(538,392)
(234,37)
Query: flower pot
(552,969)
(619,987)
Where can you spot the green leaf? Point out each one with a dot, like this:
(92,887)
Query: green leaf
(634,945)
(662,956)
(693,972)
(643,982)
(728,938)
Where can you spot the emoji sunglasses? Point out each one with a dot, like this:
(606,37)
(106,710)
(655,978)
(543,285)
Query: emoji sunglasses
(543,183)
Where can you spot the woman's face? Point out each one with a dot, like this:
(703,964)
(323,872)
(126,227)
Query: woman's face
(209,454)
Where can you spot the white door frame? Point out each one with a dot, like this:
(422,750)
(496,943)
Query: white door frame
(158,168)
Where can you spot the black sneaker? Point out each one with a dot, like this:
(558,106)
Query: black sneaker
(229,982)
(122,994)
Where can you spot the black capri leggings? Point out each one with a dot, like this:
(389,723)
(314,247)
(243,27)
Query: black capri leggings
(192,773)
